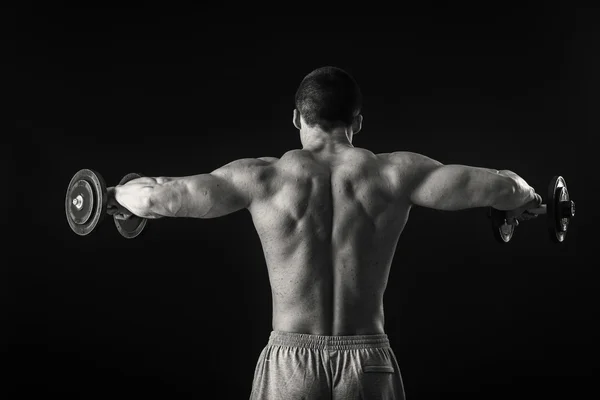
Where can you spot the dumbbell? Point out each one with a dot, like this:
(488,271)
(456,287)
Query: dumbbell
(559,209)
(86,203)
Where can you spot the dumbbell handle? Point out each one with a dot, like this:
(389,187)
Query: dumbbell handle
(566,209)
(539,210)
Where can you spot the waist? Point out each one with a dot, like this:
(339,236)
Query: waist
(318,320)
(326,342)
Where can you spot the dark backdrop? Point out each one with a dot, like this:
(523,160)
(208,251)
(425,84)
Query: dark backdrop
(185,308)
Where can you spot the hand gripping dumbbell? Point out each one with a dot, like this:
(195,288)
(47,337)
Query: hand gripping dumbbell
(559,209)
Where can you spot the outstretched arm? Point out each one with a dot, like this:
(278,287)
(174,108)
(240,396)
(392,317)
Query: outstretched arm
(220,192)
(456,187)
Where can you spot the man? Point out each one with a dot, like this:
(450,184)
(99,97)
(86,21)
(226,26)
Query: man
(329,216)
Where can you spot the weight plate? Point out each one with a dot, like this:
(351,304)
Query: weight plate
(503,232)
(558,224)
(134,225)
(82,202)
(85,202)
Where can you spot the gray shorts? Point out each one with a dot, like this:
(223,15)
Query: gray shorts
(300,366)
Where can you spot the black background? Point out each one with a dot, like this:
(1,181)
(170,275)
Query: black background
(185,308)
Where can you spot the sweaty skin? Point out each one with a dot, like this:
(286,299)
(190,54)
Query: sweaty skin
(329,219)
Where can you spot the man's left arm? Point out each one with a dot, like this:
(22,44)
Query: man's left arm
(223,191)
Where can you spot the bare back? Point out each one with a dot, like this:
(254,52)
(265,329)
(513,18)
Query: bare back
(329,225)
(329,220)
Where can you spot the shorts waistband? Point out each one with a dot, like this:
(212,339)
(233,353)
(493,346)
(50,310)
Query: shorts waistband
(322,342)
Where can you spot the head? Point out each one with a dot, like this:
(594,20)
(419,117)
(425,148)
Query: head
(330,100)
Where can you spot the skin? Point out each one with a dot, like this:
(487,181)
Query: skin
(328,216)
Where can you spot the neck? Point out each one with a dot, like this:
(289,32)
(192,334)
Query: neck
(316,139)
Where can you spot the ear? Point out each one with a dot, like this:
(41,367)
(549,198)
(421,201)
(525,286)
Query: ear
(357,124)
(296,119)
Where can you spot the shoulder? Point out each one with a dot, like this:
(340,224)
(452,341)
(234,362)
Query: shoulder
(254,162)
(362,154)
(247,169)
(407,168)
(296,158)
(295,154)
(268,160)
(408,159)
(249,163)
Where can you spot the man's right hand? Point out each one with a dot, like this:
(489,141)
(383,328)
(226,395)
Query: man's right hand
(513,217)
(113,207)
(535,200)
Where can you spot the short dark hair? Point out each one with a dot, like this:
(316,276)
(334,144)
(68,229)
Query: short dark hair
(328,97)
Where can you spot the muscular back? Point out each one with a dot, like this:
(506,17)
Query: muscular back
(328,220)
(329,224)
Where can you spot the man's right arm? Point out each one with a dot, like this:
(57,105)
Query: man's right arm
(220,192)
(457,187)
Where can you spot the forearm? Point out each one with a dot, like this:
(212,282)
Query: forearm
(148,197)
